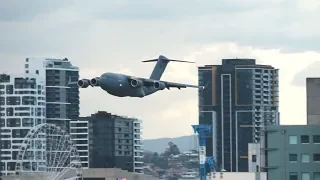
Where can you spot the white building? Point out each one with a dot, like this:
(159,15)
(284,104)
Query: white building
(79,133)
(62,98)
(137,146)
(22,106)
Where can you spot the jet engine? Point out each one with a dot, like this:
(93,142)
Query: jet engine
(136,83)
(83,83)
(94,82)
(159,85)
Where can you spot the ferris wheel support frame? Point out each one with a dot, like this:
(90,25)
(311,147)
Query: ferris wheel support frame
(26,142)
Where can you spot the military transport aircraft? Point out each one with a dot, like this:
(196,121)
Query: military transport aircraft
(128,86)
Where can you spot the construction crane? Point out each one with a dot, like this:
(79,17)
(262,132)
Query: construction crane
(203,133)
(212,163)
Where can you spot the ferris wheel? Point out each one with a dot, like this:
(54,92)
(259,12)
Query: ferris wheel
(47,153)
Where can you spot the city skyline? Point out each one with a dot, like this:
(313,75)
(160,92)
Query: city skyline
(98,42)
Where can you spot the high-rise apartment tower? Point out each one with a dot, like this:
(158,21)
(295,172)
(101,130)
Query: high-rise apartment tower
(62,97)
(240,99)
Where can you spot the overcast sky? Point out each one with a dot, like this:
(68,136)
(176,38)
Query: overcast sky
(116,35)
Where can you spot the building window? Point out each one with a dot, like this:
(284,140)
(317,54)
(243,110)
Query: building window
(254,158)
(293,157)
(304,139)
(305,158)
(316,139)
(316,176)
(293,140)
(293,176)
(316,157)
(305,176)
(37,71)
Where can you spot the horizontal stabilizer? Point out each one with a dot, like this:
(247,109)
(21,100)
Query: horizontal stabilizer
(166,59)
(151,60)
(171,60)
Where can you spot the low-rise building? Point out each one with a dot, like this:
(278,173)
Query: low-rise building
(293,152)
(115,142)
(239,175)
(87,174)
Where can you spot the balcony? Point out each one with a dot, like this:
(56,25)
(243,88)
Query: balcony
(138,154)
(138,149)
(137,131)
(138,165)
(137,143)
(138,160)
(137,126)
(137,137)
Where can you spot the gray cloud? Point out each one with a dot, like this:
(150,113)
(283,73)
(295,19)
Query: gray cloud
(171,10)
(15,10)
(113,35)
(65,28)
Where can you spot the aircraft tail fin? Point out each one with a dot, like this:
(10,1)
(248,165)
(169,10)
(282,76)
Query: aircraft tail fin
(161,65)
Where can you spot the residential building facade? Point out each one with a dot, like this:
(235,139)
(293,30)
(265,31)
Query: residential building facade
(22,107)
(62,95)
(313,100)
(240,99)
(79,132)
(293,152)
(137,146)
(114,142)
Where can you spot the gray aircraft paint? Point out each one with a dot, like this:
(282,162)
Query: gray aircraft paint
(128,86)
(159,68)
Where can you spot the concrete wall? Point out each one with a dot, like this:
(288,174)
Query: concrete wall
(313,100)
(108,174)
(240,176)
(253,150)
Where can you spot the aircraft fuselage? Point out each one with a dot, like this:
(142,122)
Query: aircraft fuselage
(120,85)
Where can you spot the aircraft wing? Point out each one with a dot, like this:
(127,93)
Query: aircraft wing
(178,85)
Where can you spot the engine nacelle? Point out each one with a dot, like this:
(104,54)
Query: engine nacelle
(159,85)
(83,83)
(95,82)
(136,83)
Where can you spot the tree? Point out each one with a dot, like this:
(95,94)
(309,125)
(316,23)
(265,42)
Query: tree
(155,157)
(147,157)
(172,150)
